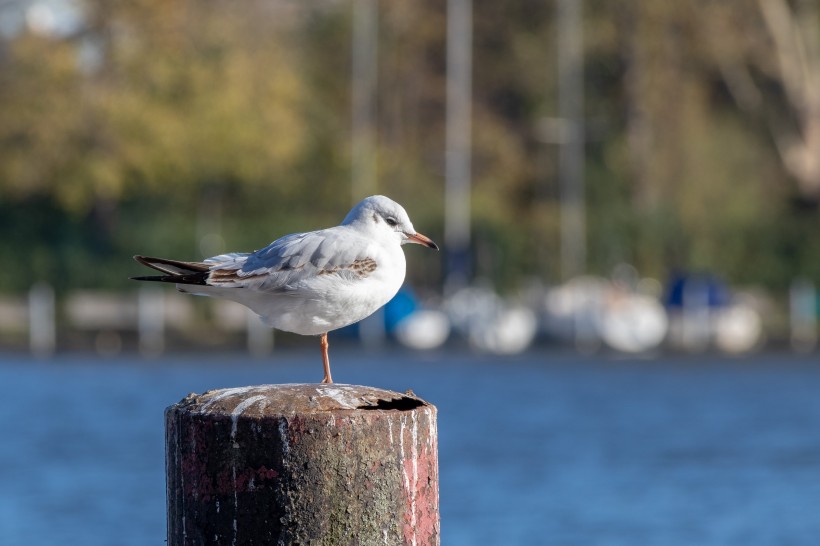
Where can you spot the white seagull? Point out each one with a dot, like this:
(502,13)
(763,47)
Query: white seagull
(309,283)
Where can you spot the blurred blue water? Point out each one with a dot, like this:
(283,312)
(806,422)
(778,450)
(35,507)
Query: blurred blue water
(537,449)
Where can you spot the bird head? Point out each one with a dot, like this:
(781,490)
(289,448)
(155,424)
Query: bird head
(386,217)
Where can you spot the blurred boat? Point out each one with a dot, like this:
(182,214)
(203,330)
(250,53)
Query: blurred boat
(704,314)
(738,328)
(590,311)
(489,323)
(423,329)
(633,323)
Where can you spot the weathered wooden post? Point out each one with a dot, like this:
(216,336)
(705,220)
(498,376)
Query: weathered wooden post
(302,464)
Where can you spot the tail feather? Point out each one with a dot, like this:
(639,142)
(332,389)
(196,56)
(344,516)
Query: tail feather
(175,271)
(172,267)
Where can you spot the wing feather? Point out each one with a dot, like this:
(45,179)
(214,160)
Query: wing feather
(287,263)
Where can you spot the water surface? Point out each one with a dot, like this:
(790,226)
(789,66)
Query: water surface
(537,449)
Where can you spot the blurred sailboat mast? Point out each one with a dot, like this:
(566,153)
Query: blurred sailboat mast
(364,76)
(458,155)
(571,155)
(363,99)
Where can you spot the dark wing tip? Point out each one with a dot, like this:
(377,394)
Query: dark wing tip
(159,278)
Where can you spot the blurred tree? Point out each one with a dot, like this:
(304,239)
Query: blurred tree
(769,58)
(180,97)
(185,127)
(696,176)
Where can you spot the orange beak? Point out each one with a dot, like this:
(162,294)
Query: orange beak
(420,239)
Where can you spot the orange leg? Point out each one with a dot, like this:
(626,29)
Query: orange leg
(325,358)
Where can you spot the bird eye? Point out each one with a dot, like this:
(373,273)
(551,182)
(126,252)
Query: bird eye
(391,221)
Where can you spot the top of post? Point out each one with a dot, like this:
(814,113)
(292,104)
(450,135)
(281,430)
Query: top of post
(289,399)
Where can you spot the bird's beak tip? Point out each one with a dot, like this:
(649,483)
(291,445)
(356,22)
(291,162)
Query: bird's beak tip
(420,239)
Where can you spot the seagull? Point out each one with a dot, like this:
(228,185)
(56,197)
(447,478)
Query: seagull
(309,283)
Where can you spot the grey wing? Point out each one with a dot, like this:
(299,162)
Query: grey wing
(292,259)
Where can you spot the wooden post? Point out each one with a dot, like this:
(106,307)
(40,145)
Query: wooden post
(302,464)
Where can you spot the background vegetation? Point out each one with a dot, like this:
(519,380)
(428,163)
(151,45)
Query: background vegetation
(183,128)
